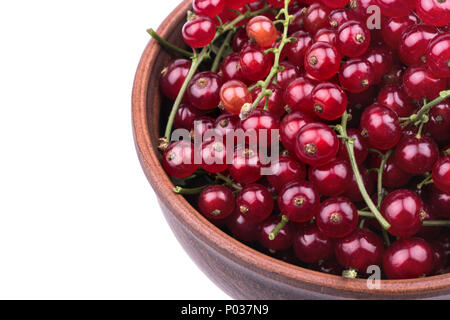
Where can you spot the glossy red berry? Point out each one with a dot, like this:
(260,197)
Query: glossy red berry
(316,144)
(173,77)
(440,202)
(439,124)
(255,202)
(337,217)
(394,28)
(262,30)
(360,146)
(231,68)
(185,117)
(297,48)
(284,238)
(414,43)
(290,126)
(438,55)
(226,124)
(278,3)
(310,245)
(298,95)
(353,192)
(396,8)
(255,63)
(356,75)
(299,201)
(353,39)
(416,155)
(395,98)
(264,125)
(329,266)
(240,40)
(178,159)
(276,101)
(210,8)
(235,4)
(404,210)
(340,16)
(381,127)
(316,17)
(246,166)
(439,258)
(326,35)
(233,95)
(204,90)
(216,202)
(393,176)
(289,73)
(335,3)
(199,32)
(202,126)
(441,174)
(434,12)
(381,60)
(322,61)
(214,156)
(331,179)
(329,101)
(359,250)
(243,228)
(420,83)
(284,170)
(407,259)
(360,8)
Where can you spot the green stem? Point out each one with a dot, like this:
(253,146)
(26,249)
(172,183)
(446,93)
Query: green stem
(276,65)
(447,152)
(221,51)
(366,214)
(279,226)
(428,180)
(351,152)
(426,108)
(188,191)
(384,159)
(228,181)
(436,223)
(168,45)
(196,61)
(386,237)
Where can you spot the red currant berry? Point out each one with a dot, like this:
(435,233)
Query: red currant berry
(276,100)
(340,16)
(290,126)
(395,75)
(178,159)
(216,202)
(380,58)
(298,21)
(299,201)
(284,170)
(185,117)
(396,8)
(360,8)
(296,50)
(407,259)
(173,77)
(246,166)
(255,63)
(204,90)
(322,61)
(335,3)
(329,266)
(439,124)
(360,146)
(331,179)
(414,43)
(353,39)
(441,174)
(359,250)
(202,126)
(284,238)
(231,68)
(353,193)
(434,12)
(329,101)
(262,30)
(287,75)
(356,75)
(393,97)
(393,176)
(317,17)
(210,8)
(240,40)
(381,127)
(419,83)
(403,209)
(255,202)
(337,217)
(233,95)
(439,258)
(416,155)
(311,245)
(235,4)
(440,203)
(199,32)
(326,35)
(438,55)
(243,228)
(316,144)
(298,95)
(214,156)
(278,3)
(432,232)
(227,124)
(264,124)
(394,28)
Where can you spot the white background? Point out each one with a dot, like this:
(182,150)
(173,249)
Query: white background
(78,219)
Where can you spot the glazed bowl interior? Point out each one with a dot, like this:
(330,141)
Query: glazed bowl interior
(150,112)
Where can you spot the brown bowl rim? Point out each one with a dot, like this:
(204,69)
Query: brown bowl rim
(214,237)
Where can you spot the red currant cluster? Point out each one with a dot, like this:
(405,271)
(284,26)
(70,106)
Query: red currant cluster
(363,116)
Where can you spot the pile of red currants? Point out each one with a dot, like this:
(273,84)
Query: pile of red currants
(358,103)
